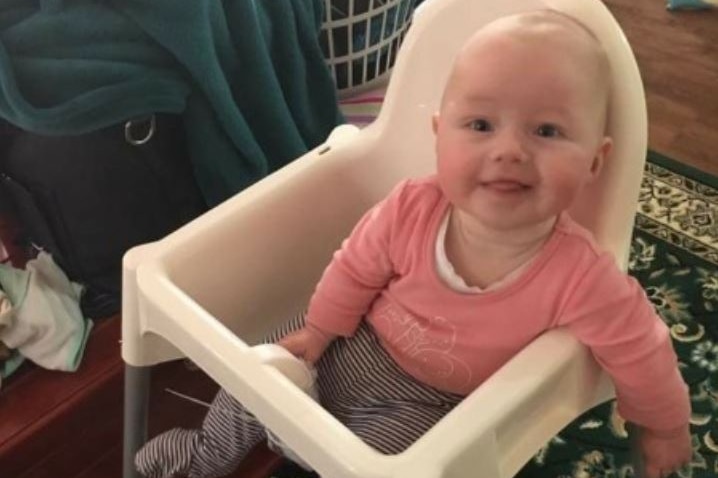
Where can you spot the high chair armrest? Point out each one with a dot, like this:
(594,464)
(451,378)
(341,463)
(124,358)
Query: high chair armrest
(491,434)
(502,424)
(243,371)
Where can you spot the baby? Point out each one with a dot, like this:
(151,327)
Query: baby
(450,276)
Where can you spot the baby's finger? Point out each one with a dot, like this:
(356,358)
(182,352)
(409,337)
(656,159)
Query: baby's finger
(312,356)
(294,346)
(651,471)
(675,471)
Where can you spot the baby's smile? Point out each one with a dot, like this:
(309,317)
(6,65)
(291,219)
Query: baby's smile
(505,186)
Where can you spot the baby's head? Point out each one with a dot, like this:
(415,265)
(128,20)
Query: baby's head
(521,127)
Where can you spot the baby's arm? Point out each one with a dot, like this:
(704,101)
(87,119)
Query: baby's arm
(308,343)
(359,270)
(664,452)
(610,313)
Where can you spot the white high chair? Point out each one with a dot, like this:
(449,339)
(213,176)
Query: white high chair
(214,288)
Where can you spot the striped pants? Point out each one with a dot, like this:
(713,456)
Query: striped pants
(357,382)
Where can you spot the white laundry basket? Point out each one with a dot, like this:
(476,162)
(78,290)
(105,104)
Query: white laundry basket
(360,39)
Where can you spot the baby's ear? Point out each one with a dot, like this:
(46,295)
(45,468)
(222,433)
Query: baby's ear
(602,153)
(435,122)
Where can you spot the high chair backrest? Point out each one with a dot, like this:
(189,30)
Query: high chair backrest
(440,27)
(299,214)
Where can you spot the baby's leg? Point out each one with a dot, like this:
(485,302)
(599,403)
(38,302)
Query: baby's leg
(361,385)
(228,433)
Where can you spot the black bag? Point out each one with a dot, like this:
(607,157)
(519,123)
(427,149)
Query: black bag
(87,199)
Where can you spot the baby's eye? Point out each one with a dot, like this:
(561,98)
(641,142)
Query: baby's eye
(548,130)
(480,125)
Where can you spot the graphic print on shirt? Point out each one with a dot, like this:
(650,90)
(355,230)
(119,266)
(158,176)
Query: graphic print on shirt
(430,342)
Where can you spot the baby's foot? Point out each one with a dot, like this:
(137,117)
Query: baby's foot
(168,454)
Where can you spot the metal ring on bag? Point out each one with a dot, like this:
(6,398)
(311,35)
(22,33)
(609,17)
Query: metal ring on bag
(150,132)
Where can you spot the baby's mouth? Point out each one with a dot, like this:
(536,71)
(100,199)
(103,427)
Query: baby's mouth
(505,186)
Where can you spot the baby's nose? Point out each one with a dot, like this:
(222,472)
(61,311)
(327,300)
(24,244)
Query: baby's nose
(509,146)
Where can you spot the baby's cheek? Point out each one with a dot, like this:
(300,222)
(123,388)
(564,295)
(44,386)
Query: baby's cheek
(448,163)
(457,171)
(450,176)
(566,185)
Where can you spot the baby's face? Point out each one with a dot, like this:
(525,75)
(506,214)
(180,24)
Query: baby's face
(520,130)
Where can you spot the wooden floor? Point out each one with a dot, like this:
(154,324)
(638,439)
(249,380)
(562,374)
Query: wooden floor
(677,54)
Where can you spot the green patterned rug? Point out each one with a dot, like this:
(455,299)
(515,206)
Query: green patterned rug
(674,255)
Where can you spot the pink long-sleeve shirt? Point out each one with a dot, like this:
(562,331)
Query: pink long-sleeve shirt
(385,272)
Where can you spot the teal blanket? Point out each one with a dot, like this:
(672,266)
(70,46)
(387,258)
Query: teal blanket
(248,76)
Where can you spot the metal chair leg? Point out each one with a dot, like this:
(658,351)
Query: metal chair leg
(137,391)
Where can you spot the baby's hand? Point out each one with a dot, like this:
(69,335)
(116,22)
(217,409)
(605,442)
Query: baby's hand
(665,452)
(308,343)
